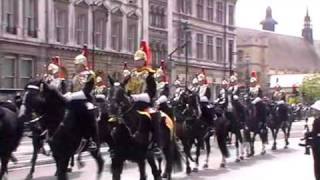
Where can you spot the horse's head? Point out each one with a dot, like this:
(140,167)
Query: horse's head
(117,97)
(32,100)
(191,103)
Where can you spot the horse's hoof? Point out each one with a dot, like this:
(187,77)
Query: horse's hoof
(164,175)
(188,170)
(237,160)
(205,166)
(222,165)
(285,147)
(263,153)
(274,148)
(195,170)
(241,158)
(69,170)
(29,177)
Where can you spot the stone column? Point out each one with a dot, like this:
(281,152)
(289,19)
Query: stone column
(71,24)
(108,35)
(20,28)
(90,26)
(51,19)
(124,47)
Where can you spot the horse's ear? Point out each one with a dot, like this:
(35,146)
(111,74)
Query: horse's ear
(111,81)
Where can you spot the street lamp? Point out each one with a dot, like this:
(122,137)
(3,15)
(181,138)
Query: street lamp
(185,27)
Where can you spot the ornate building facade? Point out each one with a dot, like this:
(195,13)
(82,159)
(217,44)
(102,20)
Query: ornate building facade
(210,34)
(32,31)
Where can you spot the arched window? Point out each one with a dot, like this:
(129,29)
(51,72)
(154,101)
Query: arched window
(116,28)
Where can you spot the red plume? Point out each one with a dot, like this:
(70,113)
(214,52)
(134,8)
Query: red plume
(254,74)
(205,75)
(145,47)
(85,52)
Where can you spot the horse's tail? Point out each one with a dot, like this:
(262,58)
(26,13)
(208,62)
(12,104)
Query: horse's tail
(177,157)
(222,140)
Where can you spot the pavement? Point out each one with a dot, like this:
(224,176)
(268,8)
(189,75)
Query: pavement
(289,164)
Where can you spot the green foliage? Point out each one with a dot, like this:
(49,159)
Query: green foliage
(311,88)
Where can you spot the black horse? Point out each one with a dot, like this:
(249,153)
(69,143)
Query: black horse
(256,124)
(279,119)
(191,128)
(65,130)
(130,133)
(11,130)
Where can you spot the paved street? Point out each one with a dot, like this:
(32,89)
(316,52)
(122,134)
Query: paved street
(283,164)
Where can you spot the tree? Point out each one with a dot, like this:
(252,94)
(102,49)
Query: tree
(310,88)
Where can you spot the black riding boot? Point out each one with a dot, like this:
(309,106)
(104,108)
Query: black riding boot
(155,148)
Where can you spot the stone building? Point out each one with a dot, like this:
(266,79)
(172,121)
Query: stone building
(269,53)
(32,31)
(210,35)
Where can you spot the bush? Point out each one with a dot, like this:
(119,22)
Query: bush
(311,88)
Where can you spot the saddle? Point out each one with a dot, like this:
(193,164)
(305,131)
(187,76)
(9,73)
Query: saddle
(9,106)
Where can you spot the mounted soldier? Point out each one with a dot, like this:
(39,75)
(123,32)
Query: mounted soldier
(222,97)
(205,97)
(178,89)
(278,95)
(143,88)
(255,91)
(82,85)
(55,76)
(233,96)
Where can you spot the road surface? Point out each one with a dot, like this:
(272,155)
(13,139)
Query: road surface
(289,164)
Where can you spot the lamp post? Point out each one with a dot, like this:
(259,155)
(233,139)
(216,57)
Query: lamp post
(185,29)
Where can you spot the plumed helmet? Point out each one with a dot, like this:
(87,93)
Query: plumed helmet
(80,59)
(144,53)
(225,82)
(98,79)
(233,79)
(195,81)
(254,77)
(177,82)
(53,68)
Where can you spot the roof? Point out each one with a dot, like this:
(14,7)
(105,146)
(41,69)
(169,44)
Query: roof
(284,52)
(287,80)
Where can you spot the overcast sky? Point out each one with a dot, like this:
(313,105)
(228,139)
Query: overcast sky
(288,13)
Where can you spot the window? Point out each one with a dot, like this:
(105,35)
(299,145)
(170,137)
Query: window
(25,71)
(219,50)
(10,15)
(116,33)
(100,32)
(184,6)
(132,37)
(8,72)
(209,47)
(200,9)
(81,29)
(219,12)
(210,10)
(152,16)
(200,46)
(189,7)
(30,17)
(162,15)
(15,73)
(231,15)
(61,25)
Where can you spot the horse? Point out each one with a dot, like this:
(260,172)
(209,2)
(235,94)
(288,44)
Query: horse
(130,133)
(190,128)
(256,124)
(279,119)
(231,117)
(52,107)
(11,131)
